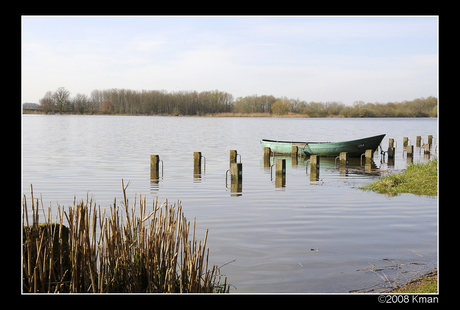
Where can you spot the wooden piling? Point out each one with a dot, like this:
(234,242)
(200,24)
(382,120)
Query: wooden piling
(154,166)
(314,163)
(430,140)
(236,171)
(391,142)
(294,151)
(426,149)
(410,150)
(281,167)
(405,141)
(369,153)
(197,159)
(391,152)
(267,153)
(418,141)
(343,158)
(233,155)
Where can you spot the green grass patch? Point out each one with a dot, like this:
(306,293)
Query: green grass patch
(418,179)
(426,285)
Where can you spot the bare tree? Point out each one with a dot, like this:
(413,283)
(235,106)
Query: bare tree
(47,102)
(61,98)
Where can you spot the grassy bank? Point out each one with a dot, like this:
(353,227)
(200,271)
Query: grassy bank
(126,251)
(425,285)
(418,179)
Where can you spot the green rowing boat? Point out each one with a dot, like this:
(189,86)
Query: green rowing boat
(353,147)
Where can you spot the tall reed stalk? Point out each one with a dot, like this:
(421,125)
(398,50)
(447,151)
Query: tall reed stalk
(118,252)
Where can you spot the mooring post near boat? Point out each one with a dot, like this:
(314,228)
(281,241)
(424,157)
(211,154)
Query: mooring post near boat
(418,141)
(280,179)
(267,157)
(281,167)
(343,158)
(405,141)
(391,148)
(391,142)
(294,155)
(369,154)
(314,163)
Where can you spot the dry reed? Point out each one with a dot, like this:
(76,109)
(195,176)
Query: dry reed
(121,252)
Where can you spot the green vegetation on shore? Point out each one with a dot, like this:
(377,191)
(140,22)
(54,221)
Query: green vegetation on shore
(418,179)
(155,102)
(425,285)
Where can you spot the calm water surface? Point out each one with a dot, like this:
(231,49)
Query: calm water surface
(319,234)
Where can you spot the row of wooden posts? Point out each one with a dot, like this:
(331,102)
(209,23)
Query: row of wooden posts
(236,168)
(408,148)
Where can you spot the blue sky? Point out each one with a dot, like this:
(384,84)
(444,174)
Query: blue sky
(373,59)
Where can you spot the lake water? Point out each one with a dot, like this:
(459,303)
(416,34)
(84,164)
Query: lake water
(319,234)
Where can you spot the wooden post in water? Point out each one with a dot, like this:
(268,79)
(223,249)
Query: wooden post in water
(236,171)
(405,141)
(233,155)
(369,153)
(410,150)
(294,155)
(430,140)
(196,164)
(391,148)
(314,163)
(197,159)
(281,167)
(391,152)
(343,158)
(154,166)
(418,141)
(280,178)
(267,153)
(426,149)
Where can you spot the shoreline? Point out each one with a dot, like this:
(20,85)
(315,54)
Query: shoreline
(426,284)
(226,114)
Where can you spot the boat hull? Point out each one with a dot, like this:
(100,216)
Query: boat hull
(353,147)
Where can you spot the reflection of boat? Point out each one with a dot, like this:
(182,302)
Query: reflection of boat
(353,147)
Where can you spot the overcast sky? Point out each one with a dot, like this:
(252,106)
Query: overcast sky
(373,59)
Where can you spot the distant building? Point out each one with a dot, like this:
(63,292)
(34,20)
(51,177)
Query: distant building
(30,106)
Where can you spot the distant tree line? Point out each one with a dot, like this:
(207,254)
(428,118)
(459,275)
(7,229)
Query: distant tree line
(155,102)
